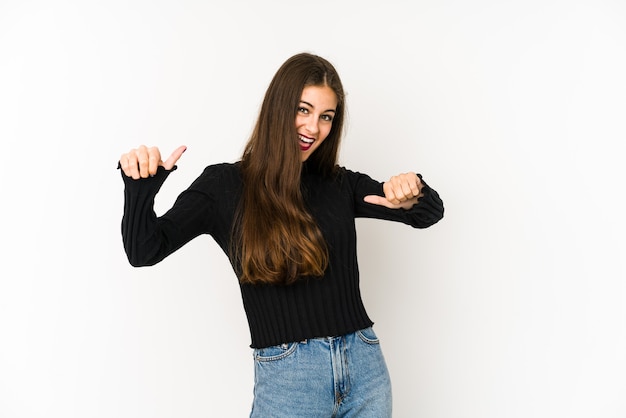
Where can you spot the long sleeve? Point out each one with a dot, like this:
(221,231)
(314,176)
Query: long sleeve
(426,212)
(147,238)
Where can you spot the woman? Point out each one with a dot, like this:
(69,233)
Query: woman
(285,217)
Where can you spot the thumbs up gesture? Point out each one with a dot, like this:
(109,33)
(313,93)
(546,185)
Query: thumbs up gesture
(401,191)
(143,162)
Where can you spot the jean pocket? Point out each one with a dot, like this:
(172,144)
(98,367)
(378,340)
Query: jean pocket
(275,352)
(368,336)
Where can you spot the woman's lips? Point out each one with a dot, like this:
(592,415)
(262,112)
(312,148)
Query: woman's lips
(305,142)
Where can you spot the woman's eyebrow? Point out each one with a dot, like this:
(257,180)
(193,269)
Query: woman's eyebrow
(309,104)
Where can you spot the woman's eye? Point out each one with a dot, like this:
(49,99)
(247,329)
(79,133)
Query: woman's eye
(327,118)
(303,110)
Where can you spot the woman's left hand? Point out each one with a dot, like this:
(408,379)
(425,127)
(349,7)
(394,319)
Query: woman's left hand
(401,191)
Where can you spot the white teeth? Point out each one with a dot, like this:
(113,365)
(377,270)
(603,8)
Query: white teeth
(307,140)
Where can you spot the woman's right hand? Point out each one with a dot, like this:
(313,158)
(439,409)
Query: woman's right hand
(143,161)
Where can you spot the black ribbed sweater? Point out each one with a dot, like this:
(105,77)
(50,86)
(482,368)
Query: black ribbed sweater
(313,307)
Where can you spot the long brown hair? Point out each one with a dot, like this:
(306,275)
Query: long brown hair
(276,240)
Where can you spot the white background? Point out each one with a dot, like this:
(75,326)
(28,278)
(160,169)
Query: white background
(514,305)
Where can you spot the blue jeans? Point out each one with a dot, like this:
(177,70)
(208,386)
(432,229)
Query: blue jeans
(327,377)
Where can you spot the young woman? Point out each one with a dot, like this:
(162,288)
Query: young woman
(285,217)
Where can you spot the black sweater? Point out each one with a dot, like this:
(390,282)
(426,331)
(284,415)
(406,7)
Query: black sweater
(313,307)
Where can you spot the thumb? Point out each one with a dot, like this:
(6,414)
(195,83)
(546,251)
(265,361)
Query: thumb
(171,161)
(379,200)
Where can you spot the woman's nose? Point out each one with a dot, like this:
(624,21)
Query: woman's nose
(312,125)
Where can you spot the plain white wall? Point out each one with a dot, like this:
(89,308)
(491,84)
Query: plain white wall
(512,306)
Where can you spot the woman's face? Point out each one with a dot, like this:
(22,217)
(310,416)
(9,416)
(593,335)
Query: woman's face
(314,119)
